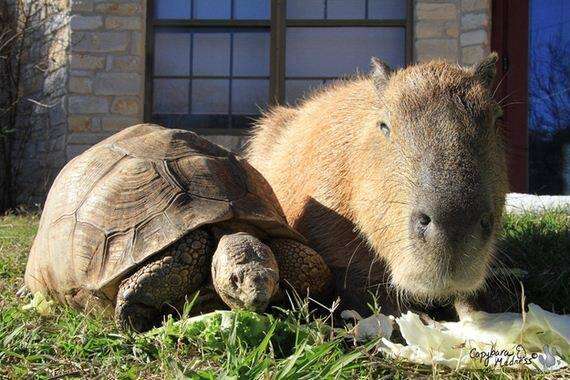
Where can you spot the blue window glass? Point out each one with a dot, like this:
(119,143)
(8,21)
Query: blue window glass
(224,76)
(211,55)
(249,96)
(251,54)
(387,9)
(306,9)
(337,51)
(296,89)
(252,9)
(172,9)
(171,96)
(217,75)
(210,96)
(172,52)
(212,9)
(346,9)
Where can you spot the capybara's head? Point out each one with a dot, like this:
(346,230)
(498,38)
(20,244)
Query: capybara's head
(447,182)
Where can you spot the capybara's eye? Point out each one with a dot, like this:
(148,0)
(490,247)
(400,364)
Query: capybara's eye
(498,113)
(384,128)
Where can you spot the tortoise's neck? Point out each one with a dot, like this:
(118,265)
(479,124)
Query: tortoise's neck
(232,227)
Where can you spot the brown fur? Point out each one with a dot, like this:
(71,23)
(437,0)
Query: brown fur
(351,190)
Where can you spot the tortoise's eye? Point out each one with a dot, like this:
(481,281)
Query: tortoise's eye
(384,128)
(234,280)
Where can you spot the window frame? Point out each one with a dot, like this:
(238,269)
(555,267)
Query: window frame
(277,26)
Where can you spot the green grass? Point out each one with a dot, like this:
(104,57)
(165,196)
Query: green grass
(71,344)
(540,248)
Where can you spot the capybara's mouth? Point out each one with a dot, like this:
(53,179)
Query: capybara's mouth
(423,291)
(434,281)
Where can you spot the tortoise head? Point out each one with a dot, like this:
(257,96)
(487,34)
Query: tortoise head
(244,272)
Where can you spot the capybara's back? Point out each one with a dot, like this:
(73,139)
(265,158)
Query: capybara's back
(397,178)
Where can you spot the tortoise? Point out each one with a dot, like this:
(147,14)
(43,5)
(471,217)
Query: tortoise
(150,215)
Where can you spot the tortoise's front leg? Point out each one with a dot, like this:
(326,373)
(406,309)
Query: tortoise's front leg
(145,296)
(301,268)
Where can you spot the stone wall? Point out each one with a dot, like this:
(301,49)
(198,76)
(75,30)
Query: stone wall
(39,140)
(456,30)
(106,69)
(96,77)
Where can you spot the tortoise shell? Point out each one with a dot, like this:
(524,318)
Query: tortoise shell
(130,196)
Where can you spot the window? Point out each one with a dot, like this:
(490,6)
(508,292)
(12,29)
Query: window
(549,97)
(217,64)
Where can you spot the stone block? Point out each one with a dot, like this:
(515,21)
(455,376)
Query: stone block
(437,48)
(97,42)
(80,85)
(125,106)
(75,150)
(123,23)
(81,104)
(81,73)
(79,123)
(137,43)
(474,5)
(78,22)
(452,32)
(473,54)
(429,29)
(437,11)
(81,5)
(474,37)
(116,123)
(85,61)
(117,84)
(125,63)
(474,21)
(119,8)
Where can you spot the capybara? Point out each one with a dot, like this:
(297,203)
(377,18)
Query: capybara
(397,178)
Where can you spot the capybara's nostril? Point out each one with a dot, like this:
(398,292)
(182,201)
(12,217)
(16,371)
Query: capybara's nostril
(419,223)
(423,219)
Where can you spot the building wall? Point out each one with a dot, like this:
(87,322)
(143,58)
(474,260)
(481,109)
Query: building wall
(39,149)
(106,70)
(100,73)
(106,83)
(457,30)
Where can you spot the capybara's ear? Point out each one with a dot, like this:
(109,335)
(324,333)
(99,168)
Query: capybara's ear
(380,72)
(485,70)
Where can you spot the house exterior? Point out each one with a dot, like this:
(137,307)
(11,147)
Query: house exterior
(210,66)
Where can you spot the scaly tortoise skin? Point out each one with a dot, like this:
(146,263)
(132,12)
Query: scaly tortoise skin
(133,224)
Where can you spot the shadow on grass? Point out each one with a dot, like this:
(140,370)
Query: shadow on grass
(534,250)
